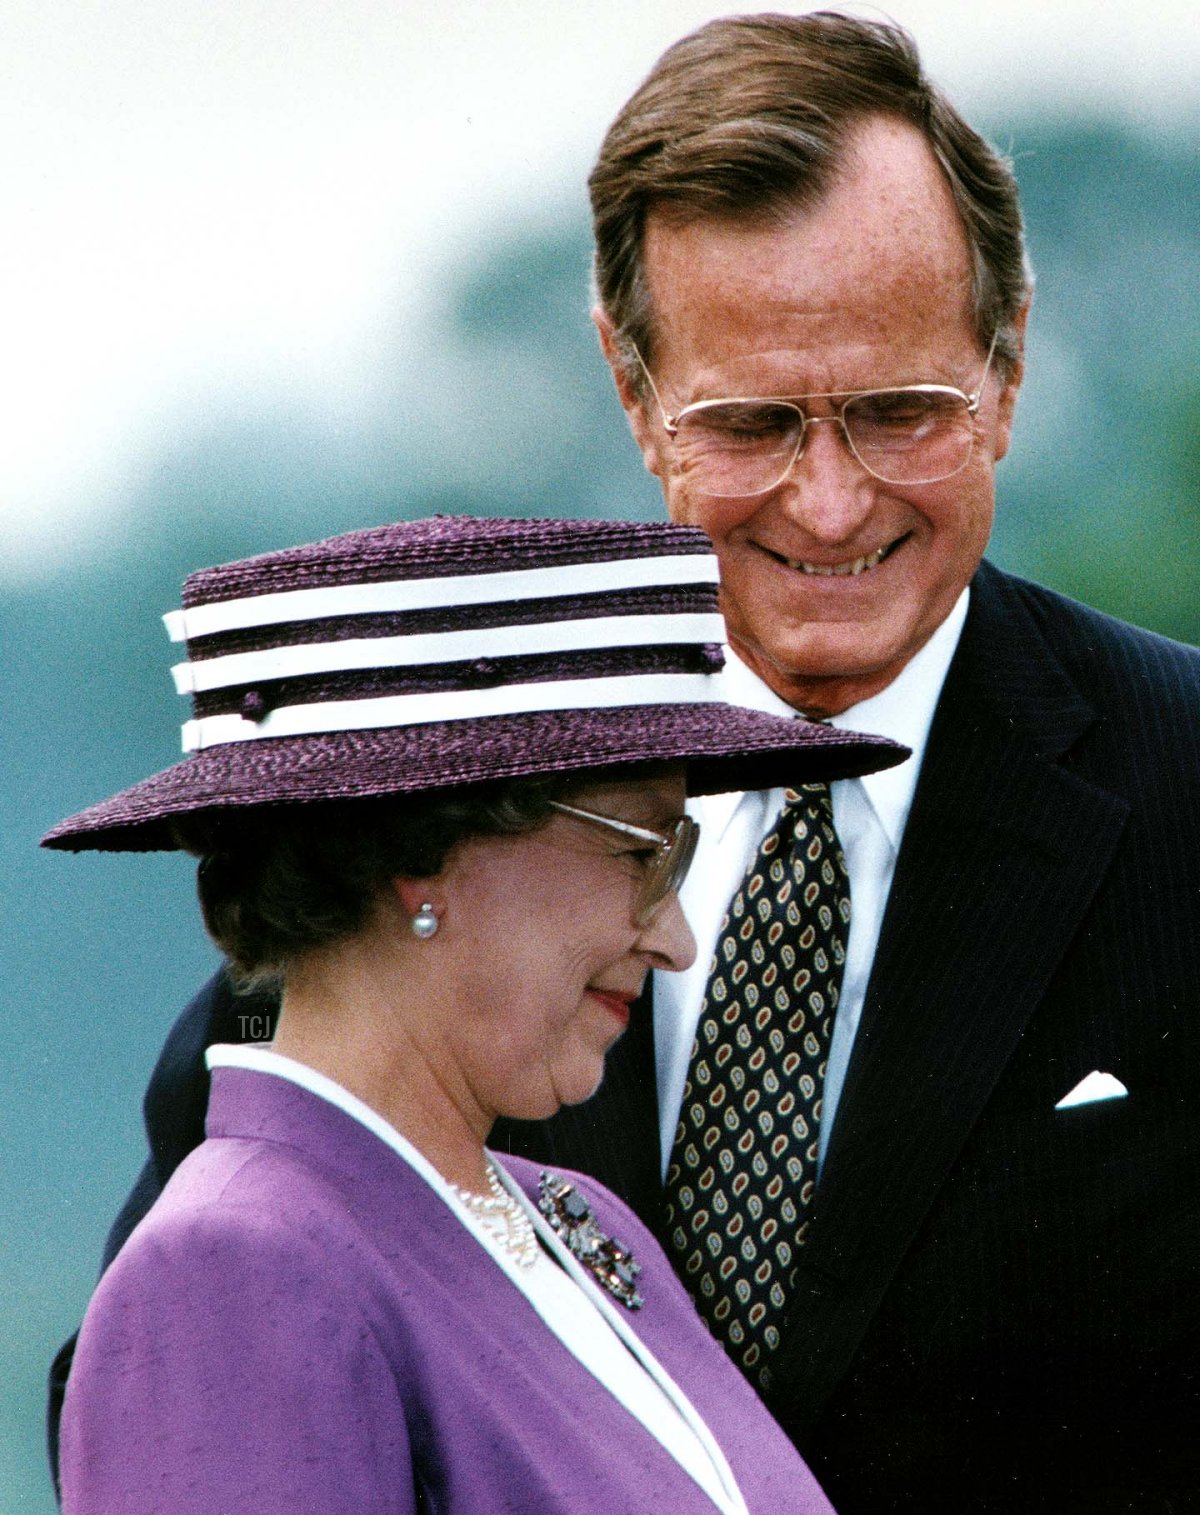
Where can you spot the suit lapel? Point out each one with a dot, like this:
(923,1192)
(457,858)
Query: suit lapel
(1003,851)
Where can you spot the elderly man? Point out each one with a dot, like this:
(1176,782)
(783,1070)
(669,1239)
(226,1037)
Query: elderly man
(920,1139)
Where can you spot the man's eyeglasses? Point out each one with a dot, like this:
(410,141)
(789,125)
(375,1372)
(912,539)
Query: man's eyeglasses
(665,868)
(745,446)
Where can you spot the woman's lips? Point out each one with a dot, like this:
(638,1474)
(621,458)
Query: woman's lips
(617,1003)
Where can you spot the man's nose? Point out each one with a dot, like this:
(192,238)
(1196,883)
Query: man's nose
(828,492)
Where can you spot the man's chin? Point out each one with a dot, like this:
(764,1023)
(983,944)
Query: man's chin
(825,668)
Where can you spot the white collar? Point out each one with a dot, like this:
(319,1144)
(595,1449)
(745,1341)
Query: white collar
(902,711)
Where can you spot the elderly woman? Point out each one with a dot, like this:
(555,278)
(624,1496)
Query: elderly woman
(436,784)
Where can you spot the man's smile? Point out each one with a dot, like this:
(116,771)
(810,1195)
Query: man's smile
(851,568)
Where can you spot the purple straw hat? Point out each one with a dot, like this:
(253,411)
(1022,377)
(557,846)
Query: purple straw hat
(453,651)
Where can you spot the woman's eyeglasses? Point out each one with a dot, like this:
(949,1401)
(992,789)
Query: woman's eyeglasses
(665,867)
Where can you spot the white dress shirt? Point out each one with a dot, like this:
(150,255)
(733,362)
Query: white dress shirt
(870,815)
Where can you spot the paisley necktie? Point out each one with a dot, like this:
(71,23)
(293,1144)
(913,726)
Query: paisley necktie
(744,1162)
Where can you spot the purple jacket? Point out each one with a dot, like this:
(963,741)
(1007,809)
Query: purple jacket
(301,1325)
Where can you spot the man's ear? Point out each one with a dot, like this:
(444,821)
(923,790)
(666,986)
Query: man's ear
(1012,384)
(646,427)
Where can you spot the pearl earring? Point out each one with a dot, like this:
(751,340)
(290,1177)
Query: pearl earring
(424,923)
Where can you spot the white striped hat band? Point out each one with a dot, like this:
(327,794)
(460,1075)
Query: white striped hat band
(455,590)
(577,587)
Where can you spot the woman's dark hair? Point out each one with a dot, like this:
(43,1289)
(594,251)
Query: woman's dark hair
(277,882)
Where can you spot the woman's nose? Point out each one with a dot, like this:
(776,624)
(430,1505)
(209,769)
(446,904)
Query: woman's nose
(668,937)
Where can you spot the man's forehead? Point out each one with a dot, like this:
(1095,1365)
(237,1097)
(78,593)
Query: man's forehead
(885,241)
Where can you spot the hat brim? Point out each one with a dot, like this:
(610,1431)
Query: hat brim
(726,747)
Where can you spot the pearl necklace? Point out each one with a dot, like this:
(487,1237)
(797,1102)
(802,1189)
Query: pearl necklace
(502,1217)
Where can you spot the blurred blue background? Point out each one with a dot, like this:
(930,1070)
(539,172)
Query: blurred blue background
(275,271)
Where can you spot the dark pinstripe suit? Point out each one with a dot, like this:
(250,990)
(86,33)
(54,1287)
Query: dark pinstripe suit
(997,1307)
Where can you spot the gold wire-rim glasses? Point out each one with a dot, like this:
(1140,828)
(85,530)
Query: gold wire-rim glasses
(842,400)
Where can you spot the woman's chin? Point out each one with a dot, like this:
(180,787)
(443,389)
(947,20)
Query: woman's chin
(585,1083)
(548,1102)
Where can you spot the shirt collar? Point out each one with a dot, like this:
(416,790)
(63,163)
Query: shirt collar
(902,711)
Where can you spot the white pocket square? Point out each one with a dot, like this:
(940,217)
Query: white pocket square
(1095,1087)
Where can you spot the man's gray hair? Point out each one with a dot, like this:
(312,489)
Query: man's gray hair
(750,117)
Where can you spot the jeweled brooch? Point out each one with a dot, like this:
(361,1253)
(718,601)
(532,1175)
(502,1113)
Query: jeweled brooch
(571,1217)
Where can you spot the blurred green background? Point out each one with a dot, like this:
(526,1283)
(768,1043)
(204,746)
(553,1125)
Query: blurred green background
(495,401)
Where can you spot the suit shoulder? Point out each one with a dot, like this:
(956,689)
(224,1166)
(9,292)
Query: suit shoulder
(1120,667)
(1083,635)
(231,1199)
